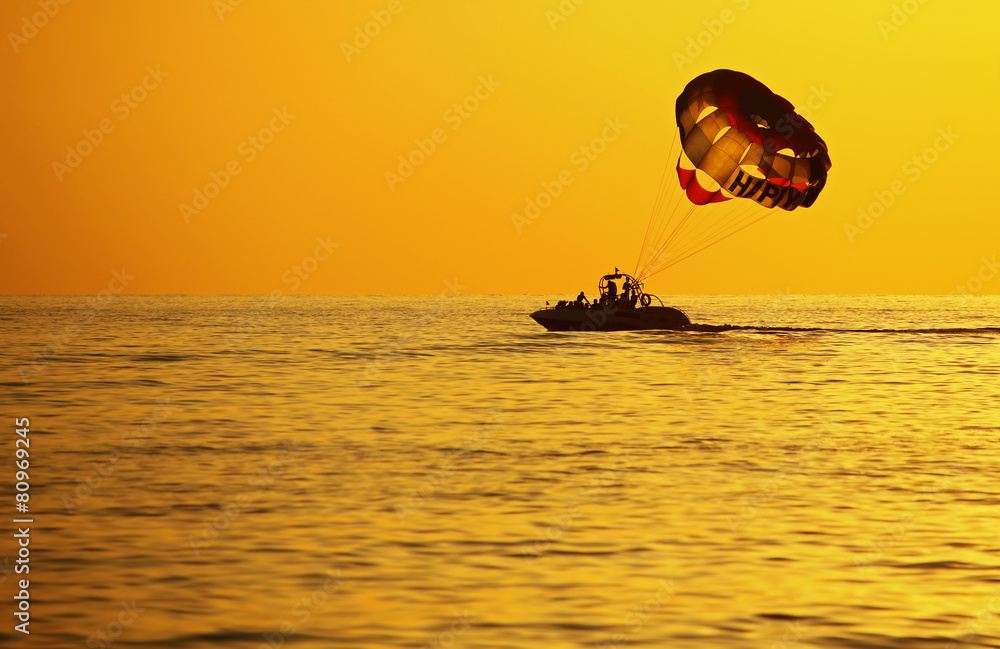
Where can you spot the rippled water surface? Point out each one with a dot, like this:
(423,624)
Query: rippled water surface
(421,471)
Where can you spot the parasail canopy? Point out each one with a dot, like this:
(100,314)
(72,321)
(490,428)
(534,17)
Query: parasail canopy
(738,140)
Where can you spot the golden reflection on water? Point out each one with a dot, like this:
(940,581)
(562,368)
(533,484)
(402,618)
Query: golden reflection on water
(334,479)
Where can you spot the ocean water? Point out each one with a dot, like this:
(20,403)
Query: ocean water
(442,472)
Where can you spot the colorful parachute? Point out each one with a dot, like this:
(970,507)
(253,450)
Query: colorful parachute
(737,140)
(749,141)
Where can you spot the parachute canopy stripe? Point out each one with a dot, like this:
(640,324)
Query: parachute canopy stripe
(695,192)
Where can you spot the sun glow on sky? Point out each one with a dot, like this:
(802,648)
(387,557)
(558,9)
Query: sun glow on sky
(211,148)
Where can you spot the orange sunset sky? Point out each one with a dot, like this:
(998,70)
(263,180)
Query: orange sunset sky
(115,113)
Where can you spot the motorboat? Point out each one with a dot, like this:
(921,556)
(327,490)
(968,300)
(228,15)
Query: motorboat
(630,309)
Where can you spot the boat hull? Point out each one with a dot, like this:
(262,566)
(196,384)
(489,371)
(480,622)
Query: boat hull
(620,319)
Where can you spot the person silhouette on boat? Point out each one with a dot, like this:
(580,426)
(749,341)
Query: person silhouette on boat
(581,299)
(627,291)
(612,291)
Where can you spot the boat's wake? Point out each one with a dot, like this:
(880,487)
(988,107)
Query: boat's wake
(707,328)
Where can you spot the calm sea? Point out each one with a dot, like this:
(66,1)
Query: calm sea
(441,472)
